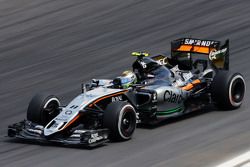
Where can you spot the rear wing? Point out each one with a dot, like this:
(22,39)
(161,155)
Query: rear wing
(217,54)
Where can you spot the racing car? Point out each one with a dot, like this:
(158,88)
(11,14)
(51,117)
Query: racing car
(158,87)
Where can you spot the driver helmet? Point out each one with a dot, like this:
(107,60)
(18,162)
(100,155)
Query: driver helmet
(144,66)
(127,79)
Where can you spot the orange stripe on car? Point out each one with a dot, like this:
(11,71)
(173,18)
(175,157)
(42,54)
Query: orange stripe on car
(191,85)
(195,82)
(105,97)
(196,49)
(72,121)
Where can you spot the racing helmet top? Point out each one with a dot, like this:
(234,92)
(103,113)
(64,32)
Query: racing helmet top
(144,66)
(125,80)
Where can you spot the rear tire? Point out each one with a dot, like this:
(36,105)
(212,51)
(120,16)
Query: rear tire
(228,89)
(43,108)
(120,119)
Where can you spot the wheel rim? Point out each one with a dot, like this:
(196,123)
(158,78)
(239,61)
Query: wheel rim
(128,122)
(238,89)
(50,111)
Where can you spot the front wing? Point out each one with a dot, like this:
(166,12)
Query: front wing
(32,132)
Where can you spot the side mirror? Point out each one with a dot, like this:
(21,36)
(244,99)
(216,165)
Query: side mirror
(83,87)
(95,81)
(86,87)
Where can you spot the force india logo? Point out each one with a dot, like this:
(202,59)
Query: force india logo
(198,42)
(95,137)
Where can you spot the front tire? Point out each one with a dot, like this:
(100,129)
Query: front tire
(228,89)
(120,119)
(43,108)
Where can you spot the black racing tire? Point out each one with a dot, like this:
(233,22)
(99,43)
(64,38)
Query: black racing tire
(120,118)
(228,89)
(43,108)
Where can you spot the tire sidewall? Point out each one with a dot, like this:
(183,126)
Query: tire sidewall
(221,89)
(36,108)
(113,117)
(48,100)
(121,115)
(232,80)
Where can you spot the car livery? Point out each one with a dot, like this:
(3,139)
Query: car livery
(196,75)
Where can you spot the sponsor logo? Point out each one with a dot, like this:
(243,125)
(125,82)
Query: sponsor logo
(94,138)
(117,98)
(213,54)
(144,65)
(68,112)
(162,61)
(61,119)
(171,97)
(198,42)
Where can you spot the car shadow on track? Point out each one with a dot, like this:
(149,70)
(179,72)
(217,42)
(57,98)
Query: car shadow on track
(143,126)
(171,120)
(18,141)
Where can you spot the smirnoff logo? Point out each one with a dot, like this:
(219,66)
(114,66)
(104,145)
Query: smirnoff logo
(198,42)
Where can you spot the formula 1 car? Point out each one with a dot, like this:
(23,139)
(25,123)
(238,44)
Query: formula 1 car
(194,76)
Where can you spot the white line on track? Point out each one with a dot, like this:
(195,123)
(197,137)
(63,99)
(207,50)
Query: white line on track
(242,160)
